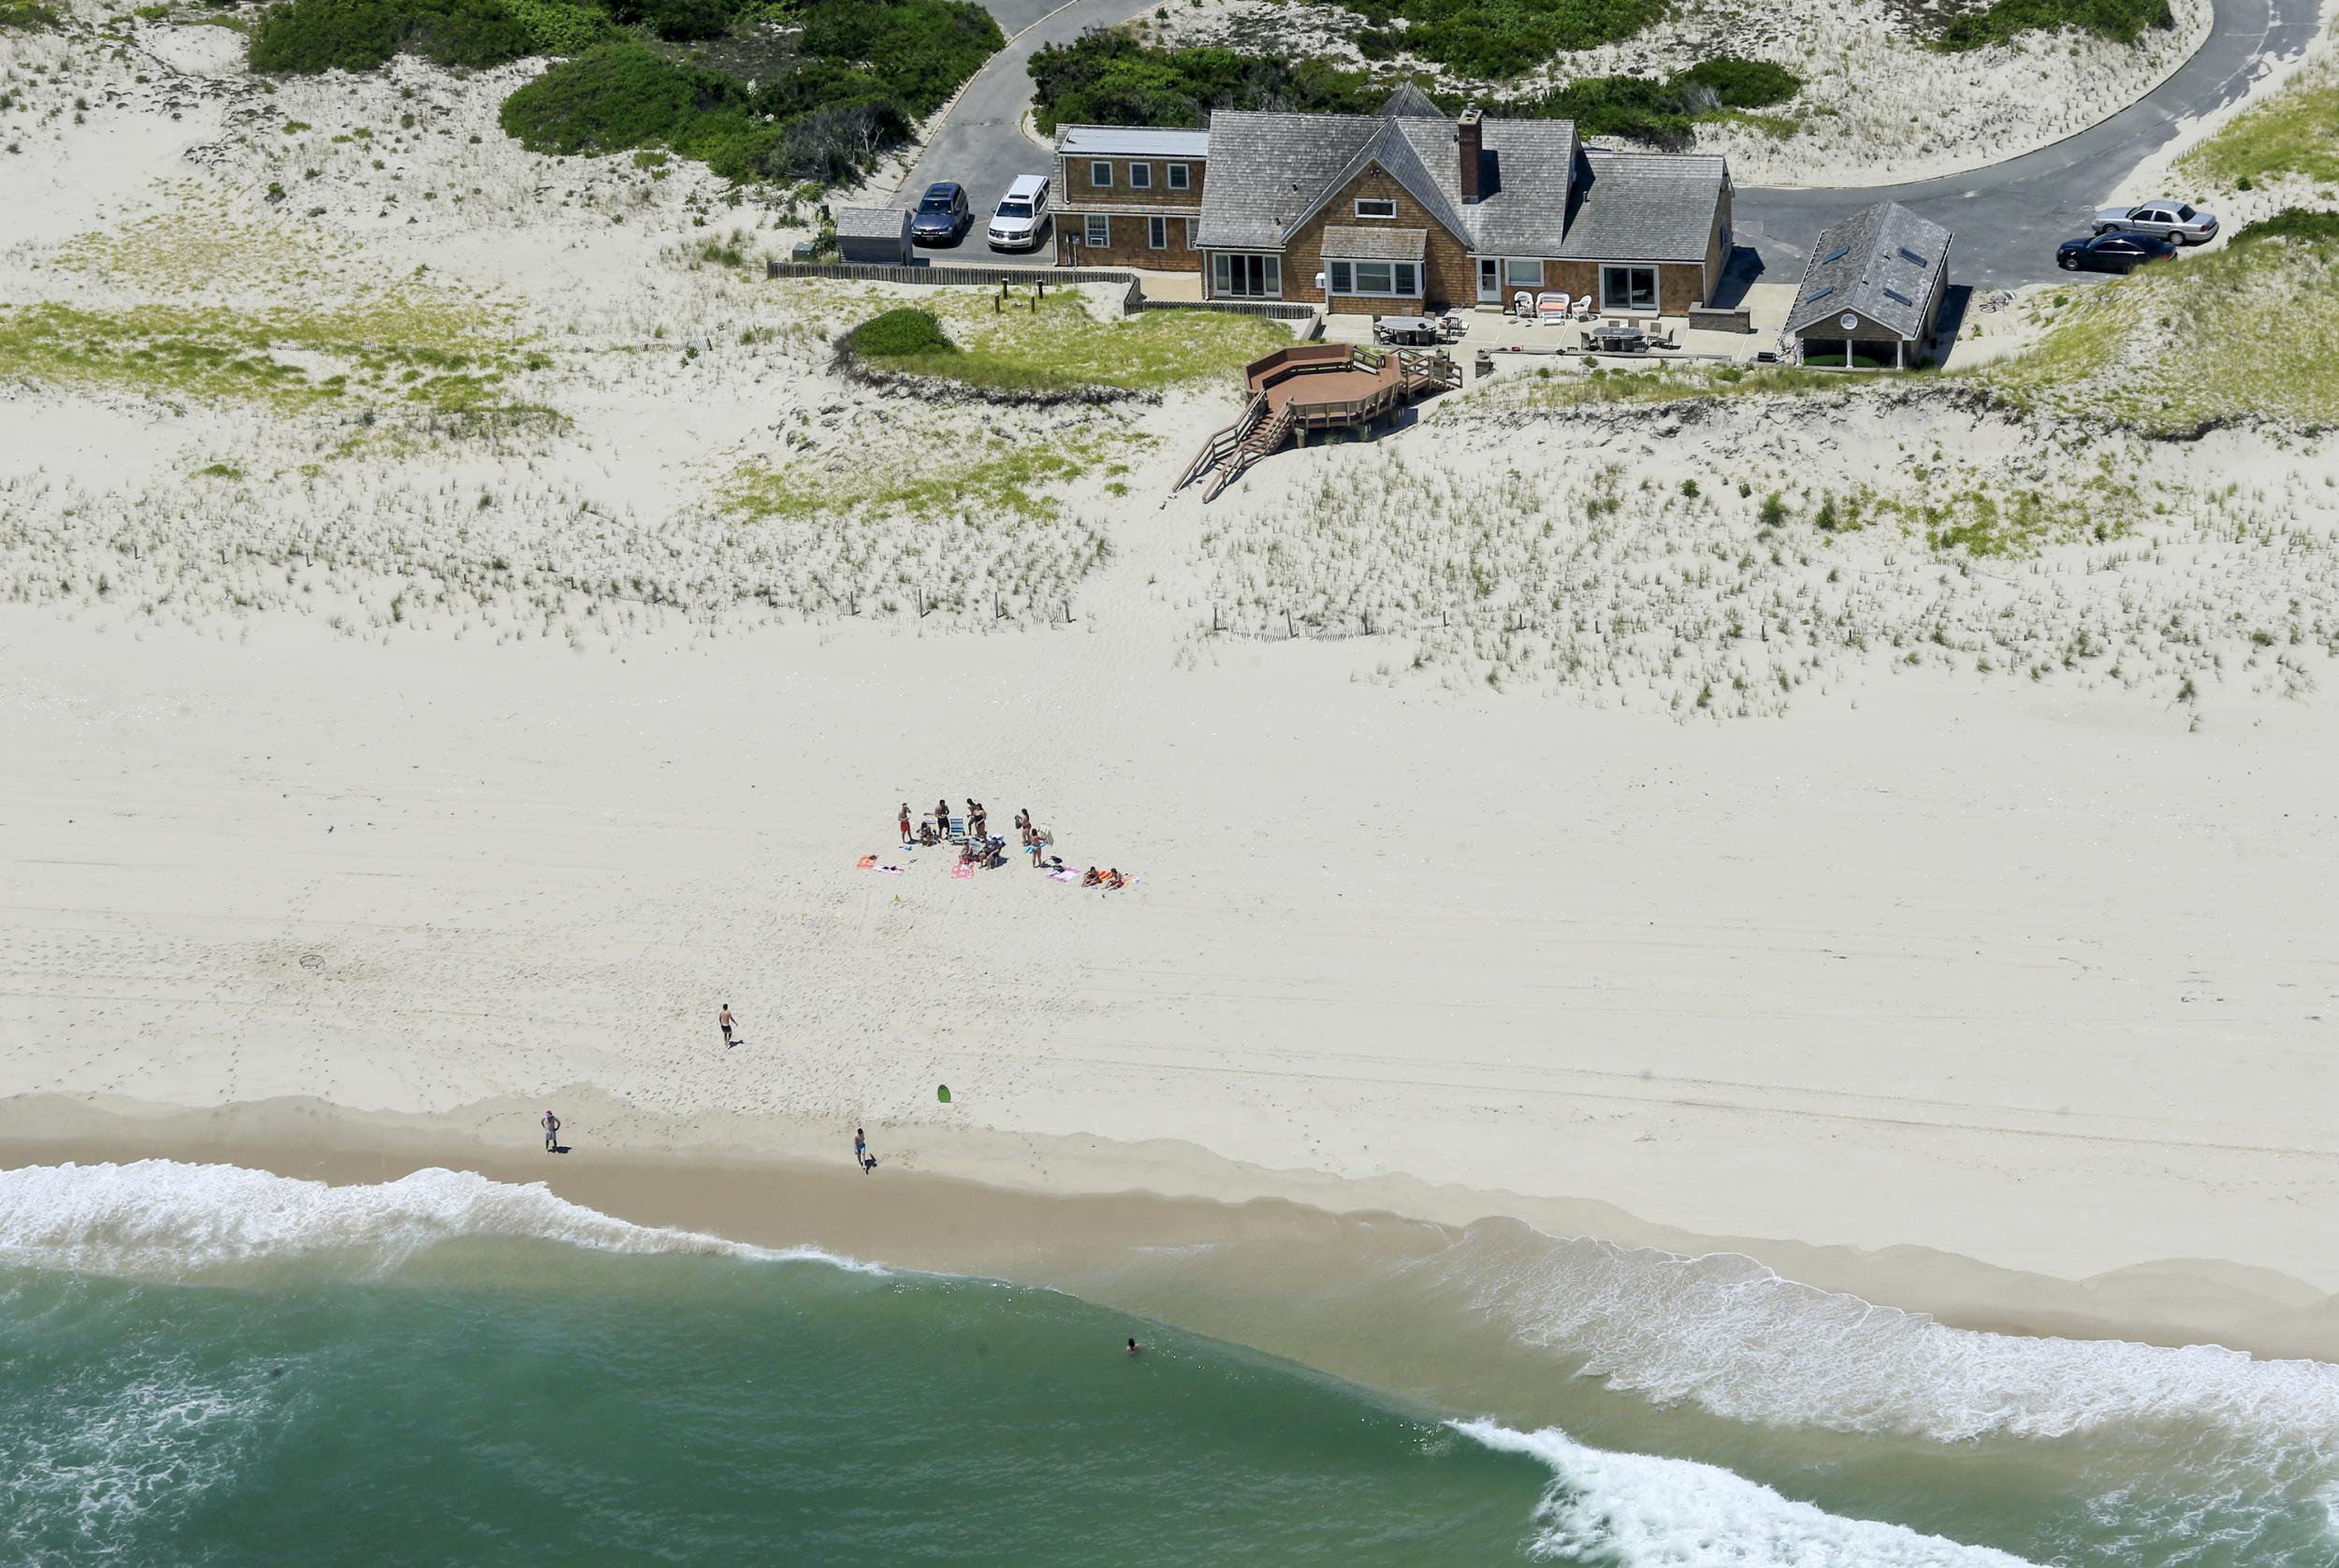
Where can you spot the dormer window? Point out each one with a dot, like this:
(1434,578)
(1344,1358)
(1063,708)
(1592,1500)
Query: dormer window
(1376,207)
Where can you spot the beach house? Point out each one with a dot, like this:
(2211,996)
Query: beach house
(1396,212)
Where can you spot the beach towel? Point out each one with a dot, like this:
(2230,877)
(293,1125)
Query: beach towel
(961,868)
(1063,876)
(867,861)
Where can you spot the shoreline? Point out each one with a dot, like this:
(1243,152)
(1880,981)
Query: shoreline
(948,1208)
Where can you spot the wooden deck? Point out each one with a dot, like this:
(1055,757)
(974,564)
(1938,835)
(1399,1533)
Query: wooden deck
(1315,386)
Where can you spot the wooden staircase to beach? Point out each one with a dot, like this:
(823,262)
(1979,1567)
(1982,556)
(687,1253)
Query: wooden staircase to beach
(1255,433)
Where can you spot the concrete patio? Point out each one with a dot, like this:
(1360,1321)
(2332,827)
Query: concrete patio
(1497,332)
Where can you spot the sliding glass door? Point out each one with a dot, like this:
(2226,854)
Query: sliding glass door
(1238,276)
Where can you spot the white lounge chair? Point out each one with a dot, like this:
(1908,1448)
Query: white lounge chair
(1552,309)
(1523,304)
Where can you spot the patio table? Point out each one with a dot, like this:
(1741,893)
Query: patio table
(1405,329)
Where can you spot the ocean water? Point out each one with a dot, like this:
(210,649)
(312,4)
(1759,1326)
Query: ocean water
(206,1365)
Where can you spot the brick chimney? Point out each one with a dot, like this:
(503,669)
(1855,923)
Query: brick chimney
(1472,143)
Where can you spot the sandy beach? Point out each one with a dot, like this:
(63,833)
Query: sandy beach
(1783,929)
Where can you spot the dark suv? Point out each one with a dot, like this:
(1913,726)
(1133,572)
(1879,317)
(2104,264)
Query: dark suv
(943,214)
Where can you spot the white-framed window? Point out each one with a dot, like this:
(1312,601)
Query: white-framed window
(1376,207)
(1158,233)
(1628,288)
(1140,177)
(1191,227)
(1522,273)
(1100,233)
(1101,174)
(1235,275)
(1180,178)
(1386,280)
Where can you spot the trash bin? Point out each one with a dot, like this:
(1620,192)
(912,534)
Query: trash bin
(805,251)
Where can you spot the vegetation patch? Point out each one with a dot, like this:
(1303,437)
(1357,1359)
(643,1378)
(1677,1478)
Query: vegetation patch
(1026,345)
(309,35)
(25,16)
(1600,386)
(816,90)
(947,475)
(392,352)
(1109,78)
(1106,78)
(2240,335)
(1494,40)
(2003,21)
(2293,133)
(1661,113)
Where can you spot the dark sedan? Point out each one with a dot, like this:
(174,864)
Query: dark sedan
(942,215)
(2116,252)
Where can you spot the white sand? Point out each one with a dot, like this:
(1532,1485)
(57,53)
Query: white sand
(2028,963)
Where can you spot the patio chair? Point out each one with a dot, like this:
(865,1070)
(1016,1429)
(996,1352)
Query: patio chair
(1552,309)
(1523,304)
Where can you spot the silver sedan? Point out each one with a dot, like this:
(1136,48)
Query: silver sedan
(2176,222)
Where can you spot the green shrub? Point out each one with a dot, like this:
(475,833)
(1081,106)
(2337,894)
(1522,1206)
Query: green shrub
(899,334)
(615,96)
(1742,83)
(1110,78)
(563,27)
(1498,38)
(678,19)
(2291,222)
(1660,113)
(2003,21)
(25,16)
(308,35)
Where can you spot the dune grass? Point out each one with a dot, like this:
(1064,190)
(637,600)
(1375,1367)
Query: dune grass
(1547,386)
(2240,335)
(2294,133)
(1061,345)
(934,476)
(396,352)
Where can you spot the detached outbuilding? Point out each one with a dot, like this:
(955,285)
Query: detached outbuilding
(1873,289)
(875,236)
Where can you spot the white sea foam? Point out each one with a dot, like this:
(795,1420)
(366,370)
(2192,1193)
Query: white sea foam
(171,1218)
(1639,1511)
(1729,1334)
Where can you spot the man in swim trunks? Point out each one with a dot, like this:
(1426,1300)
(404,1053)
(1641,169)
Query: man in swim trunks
(552,1133)
(724,1019)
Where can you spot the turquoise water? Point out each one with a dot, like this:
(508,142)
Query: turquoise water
(200,1365)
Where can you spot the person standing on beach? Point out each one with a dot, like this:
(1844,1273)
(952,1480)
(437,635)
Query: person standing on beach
(906,824)
(724,1019)
(552,1133)
(860,1152)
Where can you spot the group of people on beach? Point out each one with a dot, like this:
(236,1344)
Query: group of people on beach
(980,848)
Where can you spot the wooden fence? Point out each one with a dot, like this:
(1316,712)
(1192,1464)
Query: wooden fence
(991,277)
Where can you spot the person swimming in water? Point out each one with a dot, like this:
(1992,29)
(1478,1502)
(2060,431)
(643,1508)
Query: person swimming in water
(1132,1348)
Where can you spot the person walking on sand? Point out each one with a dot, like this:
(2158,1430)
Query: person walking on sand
(861,1155)
(728,1022)
(905,839)
(552,1133)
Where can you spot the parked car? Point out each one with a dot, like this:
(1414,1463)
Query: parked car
(1023,213)
(2116,252)
(2172,221)
(943,214)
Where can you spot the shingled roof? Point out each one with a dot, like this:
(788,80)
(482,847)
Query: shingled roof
(1882,262)
(1409,102)
(1540,194)
(1645,206)
(871,223)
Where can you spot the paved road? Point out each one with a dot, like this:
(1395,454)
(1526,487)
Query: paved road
(982,145)
(2008,217)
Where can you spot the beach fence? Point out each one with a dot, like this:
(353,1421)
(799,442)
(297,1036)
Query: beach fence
(944,274)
